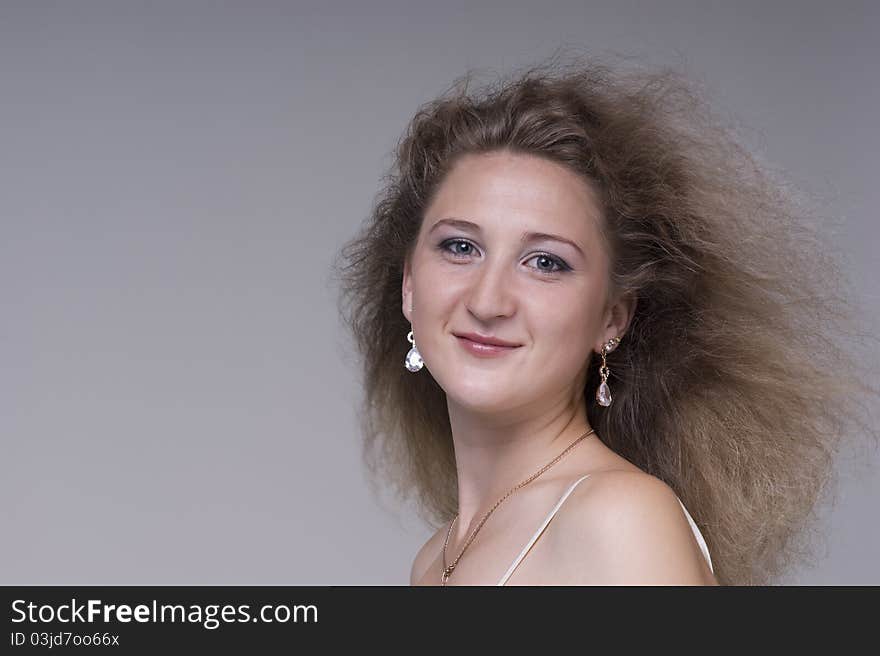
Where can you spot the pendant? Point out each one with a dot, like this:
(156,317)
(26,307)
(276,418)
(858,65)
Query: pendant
(414,360)
(603,395)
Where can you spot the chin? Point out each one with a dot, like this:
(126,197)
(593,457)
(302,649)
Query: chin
(479,399)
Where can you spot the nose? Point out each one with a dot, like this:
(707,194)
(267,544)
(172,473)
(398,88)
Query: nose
(491,294)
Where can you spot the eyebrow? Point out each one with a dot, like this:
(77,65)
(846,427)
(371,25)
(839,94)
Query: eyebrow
(526,237)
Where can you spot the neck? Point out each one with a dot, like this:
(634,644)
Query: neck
(495,452)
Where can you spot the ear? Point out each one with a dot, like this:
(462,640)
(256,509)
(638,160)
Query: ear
(617,319)
(407,290)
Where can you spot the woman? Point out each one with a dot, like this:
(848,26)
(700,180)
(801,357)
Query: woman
(619,338)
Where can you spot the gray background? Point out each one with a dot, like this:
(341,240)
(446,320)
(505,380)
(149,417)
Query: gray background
(177,395)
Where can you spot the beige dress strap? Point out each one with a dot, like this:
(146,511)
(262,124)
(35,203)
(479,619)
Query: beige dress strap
(697,535)
(534,538)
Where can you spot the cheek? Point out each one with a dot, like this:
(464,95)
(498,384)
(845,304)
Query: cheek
(435,304)
(565,326)
(436,288)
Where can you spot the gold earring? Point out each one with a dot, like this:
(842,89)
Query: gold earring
(603,394)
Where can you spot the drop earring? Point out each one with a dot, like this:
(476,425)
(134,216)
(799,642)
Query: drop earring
(413,360)
(603,394)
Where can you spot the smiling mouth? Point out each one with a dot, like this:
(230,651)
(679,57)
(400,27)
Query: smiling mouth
(480,349)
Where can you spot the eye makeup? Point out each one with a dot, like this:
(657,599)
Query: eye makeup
(562,265)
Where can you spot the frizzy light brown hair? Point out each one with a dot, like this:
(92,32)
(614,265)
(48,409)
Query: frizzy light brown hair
(738,378)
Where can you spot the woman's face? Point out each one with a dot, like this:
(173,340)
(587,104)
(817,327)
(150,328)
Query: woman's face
(477,268)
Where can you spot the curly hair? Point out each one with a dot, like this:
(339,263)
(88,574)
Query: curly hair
(740,375)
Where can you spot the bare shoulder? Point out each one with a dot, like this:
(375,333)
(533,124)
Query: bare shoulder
(627,528)
(426,555)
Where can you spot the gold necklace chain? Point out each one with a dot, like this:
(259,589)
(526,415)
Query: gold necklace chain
(447,570)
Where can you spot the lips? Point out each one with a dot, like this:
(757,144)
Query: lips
(487,340)
(483,350)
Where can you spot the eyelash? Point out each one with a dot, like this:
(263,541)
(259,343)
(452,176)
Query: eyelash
(563,267)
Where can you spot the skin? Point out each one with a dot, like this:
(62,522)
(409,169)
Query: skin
(513,414)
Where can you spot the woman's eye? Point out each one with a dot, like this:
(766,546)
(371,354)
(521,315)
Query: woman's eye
(548,261)
(467,247)
(460,248)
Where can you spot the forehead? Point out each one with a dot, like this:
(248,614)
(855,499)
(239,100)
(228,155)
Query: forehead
(519,192)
